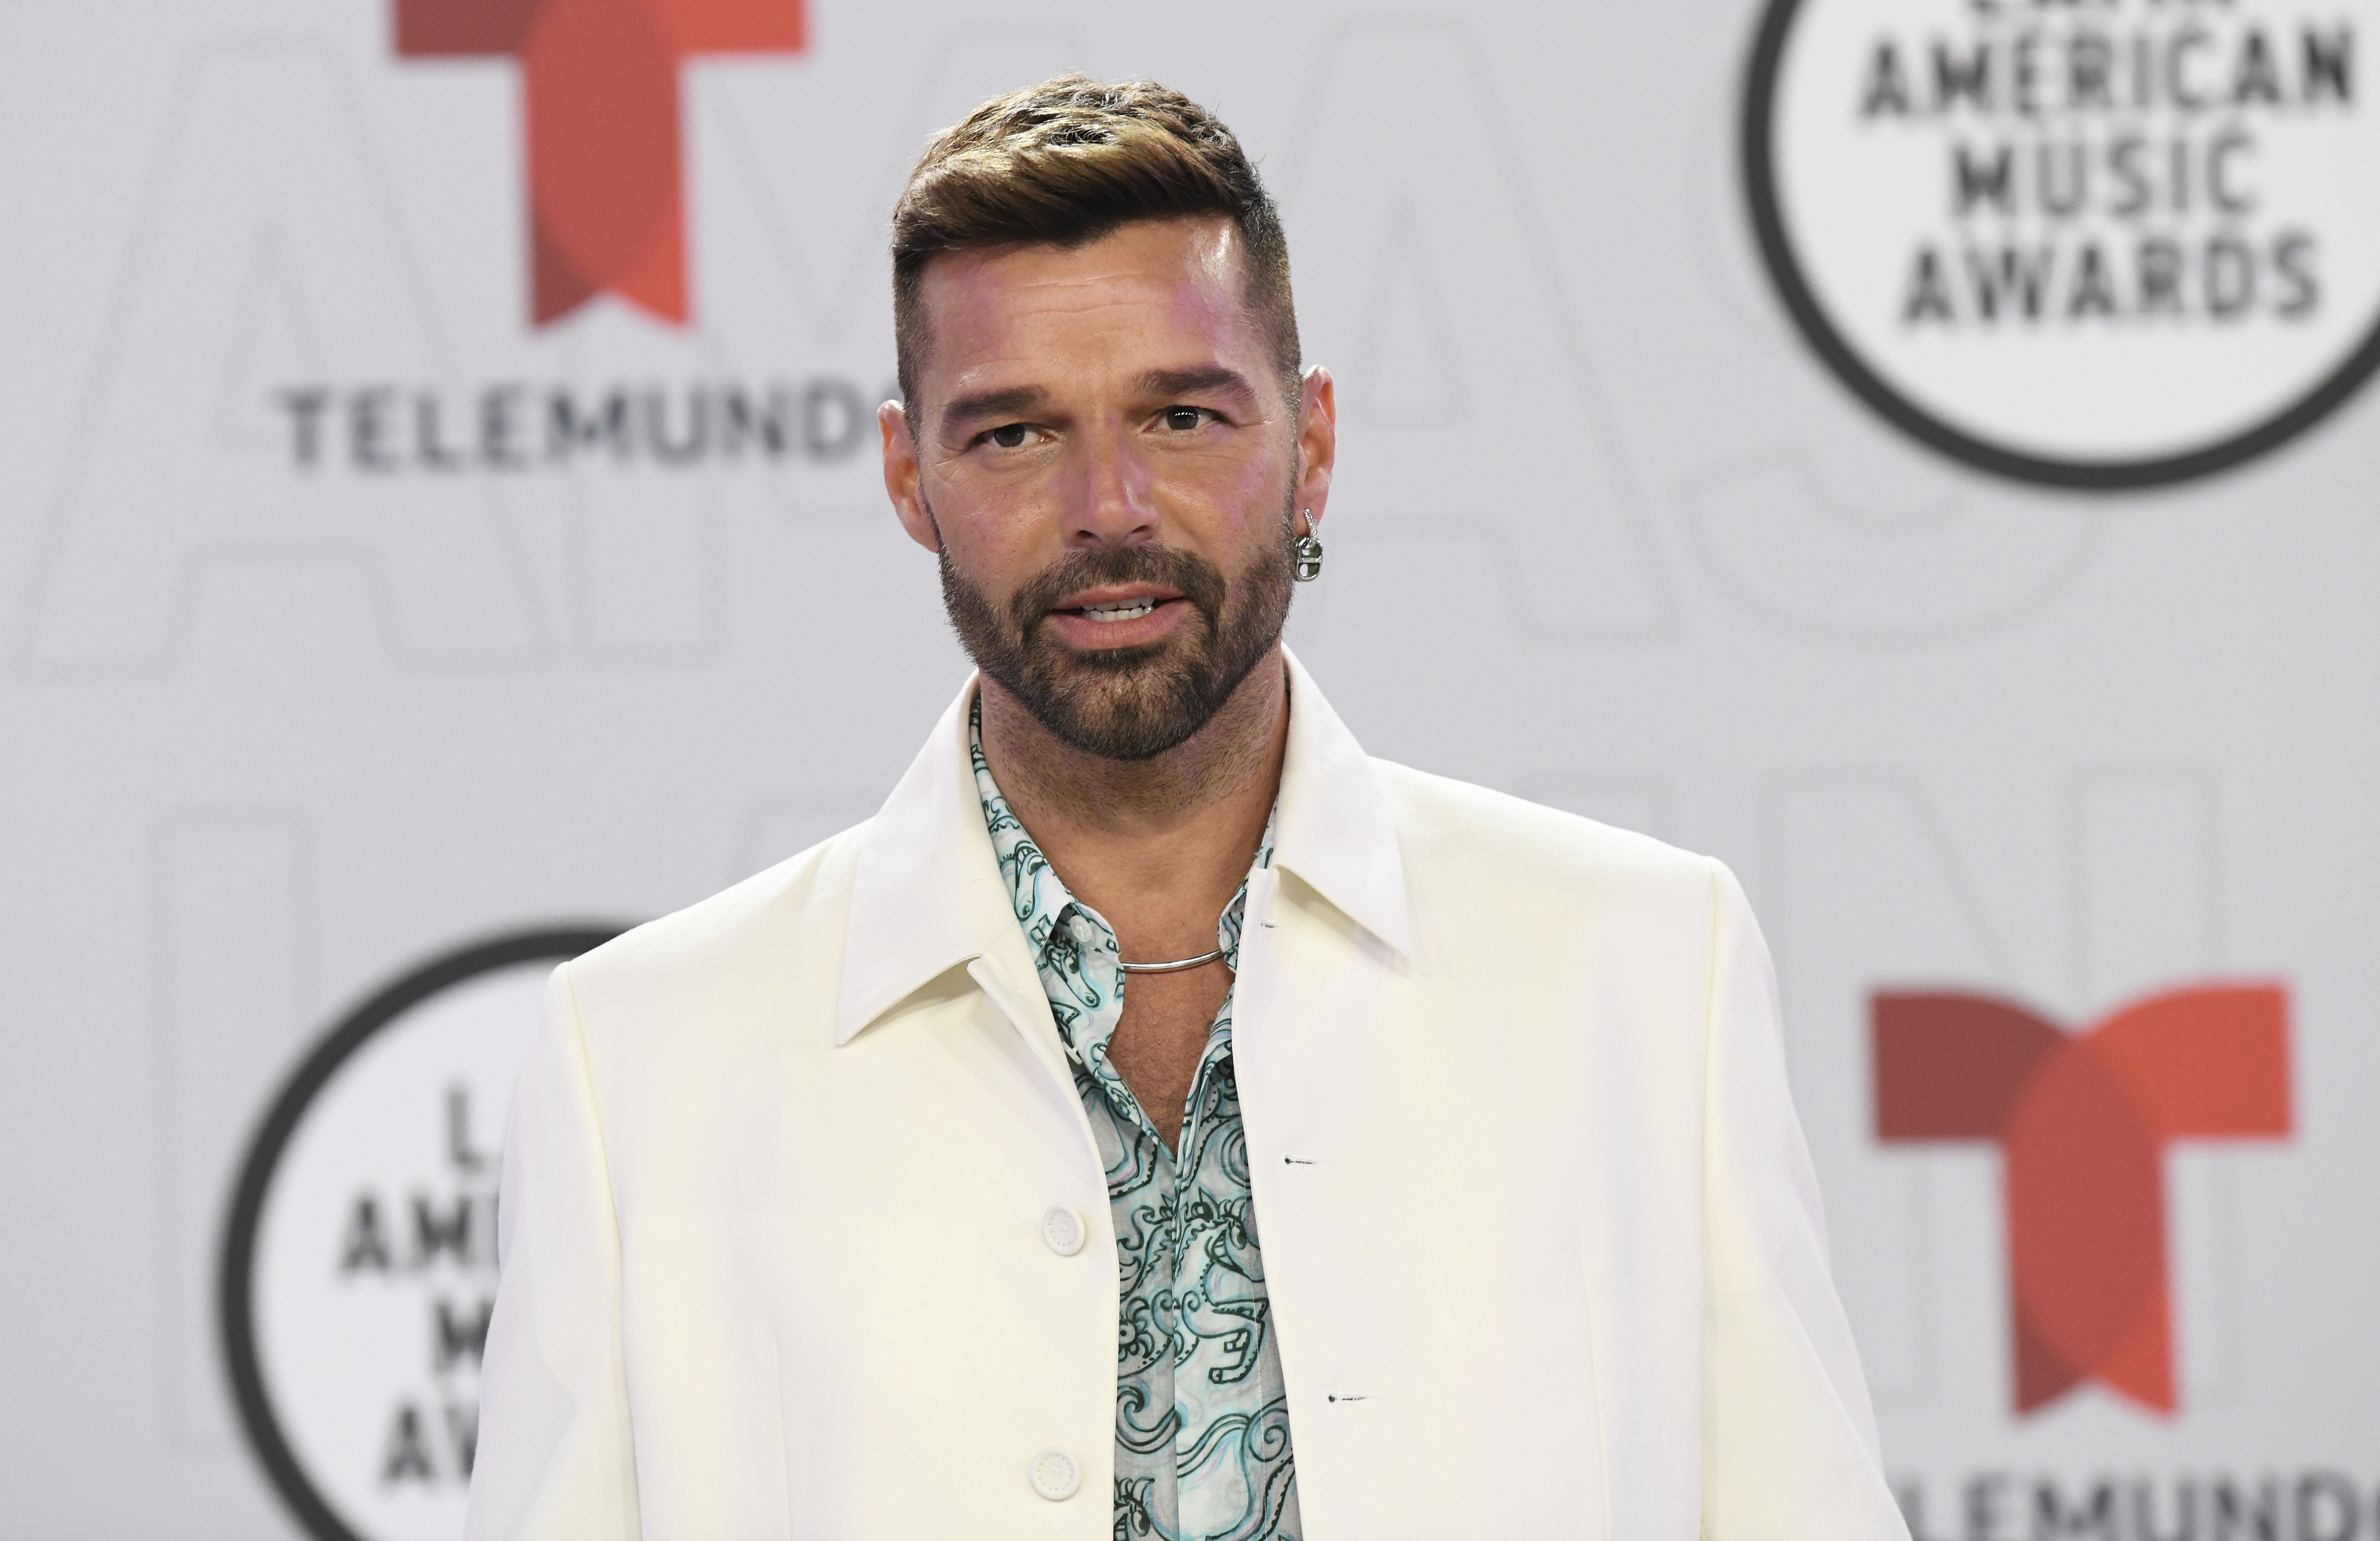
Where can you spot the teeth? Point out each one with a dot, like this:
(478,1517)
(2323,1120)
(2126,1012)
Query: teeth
(1130,610)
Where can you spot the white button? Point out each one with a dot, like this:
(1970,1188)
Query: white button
(1055,1476)
(1065,1230)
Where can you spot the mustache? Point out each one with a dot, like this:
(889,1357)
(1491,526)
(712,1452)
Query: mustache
(1200,583)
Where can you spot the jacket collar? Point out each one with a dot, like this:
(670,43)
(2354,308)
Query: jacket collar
(1336,828)
(927,895)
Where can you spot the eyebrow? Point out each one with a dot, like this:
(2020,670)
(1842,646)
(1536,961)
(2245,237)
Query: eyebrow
(1008,402)
(1016,400)
(1191,382)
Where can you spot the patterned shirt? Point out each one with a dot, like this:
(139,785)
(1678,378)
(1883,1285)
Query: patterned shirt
(1202,1424)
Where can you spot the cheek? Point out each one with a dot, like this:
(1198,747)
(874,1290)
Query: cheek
(1247,502)
(996,540)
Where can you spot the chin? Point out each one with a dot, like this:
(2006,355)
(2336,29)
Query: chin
(1128,704)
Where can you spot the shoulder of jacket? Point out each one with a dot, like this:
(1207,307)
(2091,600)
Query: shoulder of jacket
(1441,820)
(774,911)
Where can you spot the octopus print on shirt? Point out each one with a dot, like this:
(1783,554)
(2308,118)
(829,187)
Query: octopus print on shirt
(1202,1424)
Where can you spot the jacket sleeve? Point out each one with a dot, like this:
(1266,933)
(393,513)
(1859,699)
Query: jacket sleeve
(555,1462)
(1790,1450)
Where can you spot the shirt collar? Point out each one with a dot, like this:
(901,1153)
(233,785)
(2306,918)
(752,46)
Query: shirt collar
(928,895)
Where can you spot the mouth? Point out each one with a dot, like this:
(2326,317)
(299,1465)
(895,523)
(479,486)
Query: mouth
(1120,610)
(1116,606)
(1119,620)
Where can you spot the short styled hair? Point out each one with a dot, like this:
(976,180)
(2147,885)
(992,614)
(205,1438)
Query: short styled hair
(1069,161)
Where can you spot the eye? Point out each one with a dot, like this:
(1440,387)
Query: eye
(1184,418)
(1009,435)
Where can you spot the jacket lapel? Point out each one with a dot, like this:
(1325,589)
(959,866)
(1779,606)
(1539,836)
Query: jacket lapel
(928,898)
(1336,829)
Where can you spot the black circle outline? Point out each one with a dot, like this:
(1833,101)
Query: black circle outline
(1769,227)
(236,1279)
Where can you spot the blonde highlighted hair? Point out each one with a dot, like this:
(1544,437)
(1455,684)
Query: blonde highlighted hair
(1069,161)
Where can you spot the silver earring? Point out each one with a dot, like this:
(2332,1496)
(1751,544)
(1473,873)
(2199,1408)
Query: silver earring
(1307,551)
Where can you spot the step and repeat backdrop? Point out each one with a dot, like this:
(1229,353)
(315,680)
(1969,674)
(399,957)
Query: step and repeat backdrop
(1915,450)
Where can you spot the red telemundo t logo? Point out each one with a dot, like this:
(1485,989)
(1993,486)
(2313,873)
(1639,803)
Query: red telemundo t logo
(598,88)
(2082,1120)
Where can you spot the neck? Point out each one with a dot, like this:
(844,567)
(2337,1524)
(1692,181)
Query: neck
(1156,846)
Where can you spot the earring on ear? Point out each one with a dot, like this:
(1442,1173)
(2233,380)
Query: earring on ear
(1307,553)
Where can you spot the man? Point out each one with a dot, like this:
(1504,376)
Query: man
(1161,1119)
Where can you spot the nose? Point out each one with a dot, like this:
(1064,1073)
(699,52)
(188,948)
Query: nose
(1111,502)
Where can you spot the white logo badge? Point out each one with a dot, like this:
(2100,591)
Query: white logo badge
(2094,243)
(359,1268)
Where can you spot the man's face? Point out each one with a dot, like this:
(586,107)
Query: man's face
(1107,461)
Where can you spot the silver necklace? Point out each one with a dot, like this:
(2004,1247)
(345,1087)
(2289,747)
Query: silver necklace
(1174,967)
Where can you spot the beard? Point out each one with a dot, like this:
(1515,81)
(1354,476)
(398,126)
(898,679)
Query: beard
(1127,703)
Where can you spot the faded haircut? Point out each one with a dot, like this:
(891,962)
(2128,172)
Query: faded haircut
(1071,160)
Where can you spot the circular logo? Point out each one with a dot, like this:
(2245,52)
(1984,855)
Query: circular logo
(359,1267)
(2095,243)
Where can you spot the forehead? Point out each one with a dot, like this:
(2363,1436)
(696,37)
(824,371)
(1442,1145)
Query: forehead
(1157,287)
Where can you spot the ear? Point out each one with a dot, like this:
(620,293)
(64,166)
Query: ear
(901,476)
(1317,440)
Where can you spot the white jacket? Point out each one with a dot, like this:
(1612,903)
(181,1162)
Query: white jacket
(1542,1239)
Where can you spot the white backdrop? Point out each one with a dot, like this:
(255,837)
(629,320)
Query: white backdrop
(275,726)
